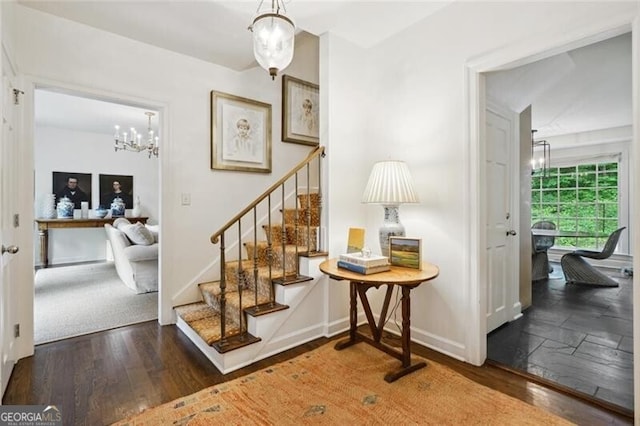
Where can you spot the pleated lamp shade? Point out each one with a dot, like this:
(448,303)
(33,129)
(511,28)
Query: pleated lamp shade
(390,183)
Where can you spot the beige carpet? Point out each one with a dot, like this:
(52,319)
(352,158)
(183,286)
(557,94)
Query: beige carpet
(332,387)
(81,299)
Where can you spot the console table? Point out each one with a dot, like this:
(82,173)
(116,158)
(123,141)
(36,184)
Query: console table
(406,279)
(93,222)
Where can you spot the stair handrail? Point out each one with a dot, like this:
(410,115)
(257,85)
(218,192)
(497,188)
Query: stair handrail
(319,150)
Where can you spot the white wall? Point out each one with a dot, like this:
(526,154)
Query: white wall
(64,150)
(415,110)
(62,53)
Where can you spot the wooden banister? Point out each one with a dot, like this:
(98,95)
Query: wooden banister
(314,154)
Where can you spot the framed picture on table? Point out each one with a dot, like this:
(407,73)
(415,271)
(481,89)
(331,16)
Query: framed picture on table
(300,111)
(405,252)
(240,133)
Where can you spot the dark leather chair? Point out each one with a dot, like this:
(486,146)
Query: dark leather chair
(578,271)
(540,266)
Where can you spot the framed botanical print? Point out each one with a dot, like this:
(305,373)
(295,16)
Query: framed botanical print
(240,133)
(300,111)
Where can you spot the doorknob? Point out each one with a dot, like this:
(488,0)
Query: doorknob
(10,249)
(512,232)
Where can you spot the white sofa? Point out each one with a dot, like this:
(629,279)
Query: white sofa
(136,263)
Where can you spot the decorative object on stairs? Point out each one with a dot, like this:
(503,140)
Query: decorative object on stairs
(327,390)
(240,133)
(273,37)
(390,184)
(300,109)
(65,208)
(132,140)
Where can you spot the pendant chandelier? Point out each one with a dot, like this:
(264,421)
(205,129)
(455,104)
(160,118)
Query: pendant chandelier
(132,141)
(541,164)
(273,38)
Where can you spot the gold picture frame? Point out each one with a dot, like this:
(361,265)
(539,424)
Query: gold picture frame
(405,252)
(240,133)
(300,111)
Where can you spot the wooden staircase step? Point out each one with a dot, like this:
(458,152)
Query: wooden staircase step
(301,219)
(262,251)
(205,321)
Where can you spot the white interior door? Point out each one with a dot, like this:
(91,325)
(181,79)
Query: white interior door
(502,253)
(8,235)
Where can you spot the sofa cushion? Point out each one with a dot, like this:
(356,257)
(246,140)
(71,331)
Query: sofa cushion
(155,231)
(138,234)
(139,253)
(121,221)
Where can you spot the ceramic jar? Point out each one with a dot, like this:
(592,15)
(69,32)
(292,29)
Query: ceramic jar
(49,206)
(117,207)
(65,208)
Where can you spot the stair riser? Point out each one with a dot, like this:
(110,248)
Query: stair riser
(293,235)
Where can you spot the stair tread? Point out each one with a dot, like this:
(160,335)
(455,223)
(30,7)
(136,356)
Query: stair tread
(205,321)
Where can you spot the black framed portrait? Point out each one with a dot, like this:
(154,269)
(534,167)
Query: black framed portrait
(112,186)
(75,186)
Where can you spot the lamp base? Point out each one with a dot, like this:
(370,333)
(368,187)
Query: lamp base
(391,227)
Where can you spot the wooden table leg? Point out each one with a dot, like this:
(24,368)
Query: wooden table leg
(44,247)
(353,318)
(406,340)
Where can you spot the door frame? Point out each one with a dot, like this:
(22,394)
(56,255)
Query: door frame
(31,84)
(539,47)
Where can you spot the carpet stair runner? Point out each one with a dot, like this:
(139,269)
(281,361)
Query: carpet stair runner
(299,238)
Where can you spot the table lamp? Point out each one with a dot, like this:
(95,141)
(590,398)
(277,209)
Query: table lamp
(390,184)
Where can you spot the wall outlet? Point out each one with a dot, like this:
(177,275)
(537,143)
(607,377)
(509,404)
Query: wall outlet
(186,199)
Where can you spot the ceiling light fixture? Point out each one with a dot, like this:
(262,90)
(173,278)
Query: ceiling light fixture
(134,142)
(273,38)
(542,164)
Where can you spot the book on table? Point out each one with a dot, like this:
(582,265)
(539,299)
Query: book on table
(367,261)
(364,270)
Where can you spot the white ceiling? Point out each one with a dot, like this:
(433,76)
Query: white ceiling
(581,90)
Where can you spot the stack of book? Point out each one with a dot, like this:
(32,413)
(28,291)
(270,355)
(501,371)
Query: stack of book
(356,262)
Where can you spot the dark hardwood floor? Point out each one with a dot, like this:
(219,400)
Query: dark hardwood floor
(578,337)
(100,378)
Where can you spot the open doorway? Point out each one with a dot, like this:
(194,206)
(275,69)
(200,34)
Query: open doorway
(578,337)
(80,275)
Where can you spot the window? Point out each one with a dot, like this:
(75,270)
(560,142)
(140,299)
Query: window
(583,197)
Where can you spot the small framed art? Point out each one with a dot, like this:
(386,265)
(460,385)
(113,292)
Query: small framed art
(240,133)
(300,111)
(405,252)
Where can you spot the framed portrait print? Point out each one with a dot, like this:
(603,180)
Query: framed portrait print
(405,252)
(75,186)
(112,186)
(240,133)
(300,111)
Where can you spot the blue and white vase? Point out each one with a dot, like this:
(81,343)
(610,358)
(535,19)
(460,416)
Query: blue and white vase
(65,208)
(117,207)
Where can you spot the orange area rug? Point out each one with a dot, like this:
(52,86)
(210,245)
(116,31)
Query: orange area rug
(332,387)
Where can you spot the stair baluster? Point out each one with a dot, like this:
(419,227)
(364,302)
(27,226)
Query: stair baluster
(241,279)
(221,345)
(255,256)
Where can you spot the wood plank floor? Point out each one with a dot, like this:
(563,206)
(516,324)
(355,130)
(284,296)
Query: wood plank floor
(100,378)
(576,336)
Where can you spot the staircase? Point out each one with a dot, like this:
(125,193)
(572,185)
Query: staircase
(262,284)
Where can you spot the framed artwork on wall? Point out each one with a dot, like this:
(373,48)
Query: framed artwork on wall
(75,186)
(300,111)
(240,133)
(405,252)
(112,186)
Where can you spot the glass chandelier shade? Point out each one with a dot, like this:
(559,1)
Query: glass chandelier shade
(273,39)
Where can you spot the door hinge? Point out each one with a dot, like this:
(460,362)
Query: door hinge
(16,330)
(16,96)
(16,220)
